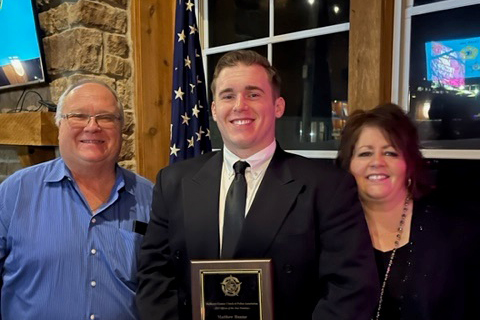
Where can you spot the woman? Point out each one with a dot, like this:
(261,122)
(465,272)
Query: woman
(426,254)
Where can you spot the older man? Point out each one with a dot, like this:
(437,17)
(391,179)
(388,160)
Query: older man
(302,214)
(70,228)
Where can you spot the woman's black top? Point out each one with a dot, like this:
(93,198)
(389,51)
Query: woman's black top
(395,286)
(436,275)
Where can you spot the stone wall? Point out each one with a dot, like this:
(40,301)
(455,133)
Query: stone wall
(82,39)
(90,39)
(9,162)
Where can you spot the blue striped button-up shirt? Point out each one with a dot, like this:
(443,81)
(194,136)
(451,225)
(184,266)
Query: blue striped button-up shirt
(60,261)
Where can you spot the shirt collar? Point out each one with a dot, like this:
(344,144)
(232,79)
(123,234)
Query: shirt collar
(60,171)
(257,161)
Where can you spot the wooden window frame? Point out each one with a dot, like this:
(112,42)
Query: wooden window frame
(152,29)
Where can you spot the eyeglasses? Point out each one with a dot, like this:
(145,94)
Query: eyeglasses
(81,120)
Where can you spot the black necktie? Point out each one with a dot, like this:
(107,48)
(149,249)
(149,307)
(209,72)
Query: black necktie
(234,209)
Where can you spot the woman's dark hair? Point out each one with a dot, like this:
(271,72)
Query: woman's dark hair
(399,130)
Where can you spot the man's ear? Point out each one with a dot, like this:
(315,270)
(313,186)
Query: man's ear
(214,111)
(279,107)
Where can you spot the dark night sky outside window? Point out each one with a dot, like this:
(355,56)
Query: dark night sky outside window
(422,2)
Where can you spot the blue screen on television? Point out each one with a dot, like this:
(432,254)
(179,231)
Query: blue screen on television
(20,57)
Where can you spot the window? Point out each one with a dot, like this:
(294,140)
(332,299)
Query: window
(307,41)
(438,73)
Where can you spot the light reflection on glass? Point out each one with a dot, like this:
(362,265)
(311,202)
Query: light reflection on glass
(17,66)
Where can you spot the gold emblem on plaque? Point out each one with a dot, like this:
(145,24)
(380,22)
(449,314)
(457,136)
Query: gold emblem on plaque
(231,286)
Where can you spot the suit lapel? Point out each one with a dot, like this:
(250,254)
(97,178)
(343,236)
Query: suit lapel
(200,196)
(272,203)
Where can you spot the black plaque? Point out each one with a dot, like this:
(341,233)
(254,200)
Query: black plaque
(232,289)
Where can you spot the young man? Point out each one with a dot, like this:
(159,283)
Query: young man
(302,214)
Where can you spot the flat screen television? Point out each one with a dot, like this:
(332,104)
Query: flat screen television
(21,60)
(450,62)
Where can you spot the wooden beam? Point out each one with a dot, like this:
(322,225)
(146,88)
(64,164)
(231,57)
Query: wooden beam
(152,35)
(28,129)
(34,134)
(370,53)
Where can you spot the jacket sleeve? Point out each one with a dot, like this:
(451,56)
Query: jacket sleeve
(346,263)
(157,291)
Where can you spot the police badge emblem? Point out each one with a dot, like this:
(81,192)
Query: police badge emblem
(231,286)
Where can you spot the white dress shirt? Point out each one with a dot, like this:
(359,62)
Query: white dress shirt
(253,174)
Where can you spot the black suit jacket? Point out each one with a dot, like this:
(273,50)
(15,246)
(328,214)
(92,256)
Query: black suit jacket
(305,216)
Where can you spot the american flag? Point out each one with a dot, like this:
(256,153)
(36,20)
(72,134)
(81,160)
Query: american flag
(189,130)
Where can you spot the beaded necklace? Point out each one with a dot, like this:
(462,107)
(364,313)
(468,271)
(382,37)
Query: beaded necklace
(390,262)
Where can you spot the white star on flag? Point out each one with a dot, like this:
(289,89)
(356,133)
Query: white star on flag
(199,134)
(174,150)
(181,36)
(191,142)
(195,111)
(193,29)
(179,93)
(189,5)
(185,119)
(188,62)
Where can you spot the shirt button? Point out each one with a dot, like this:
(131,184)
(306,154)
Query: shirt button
(92,316)
(94,220)
(93,283)
(93,251)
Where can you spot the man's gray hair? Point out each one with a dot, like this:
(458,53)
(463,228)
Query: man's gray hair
(61,101)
